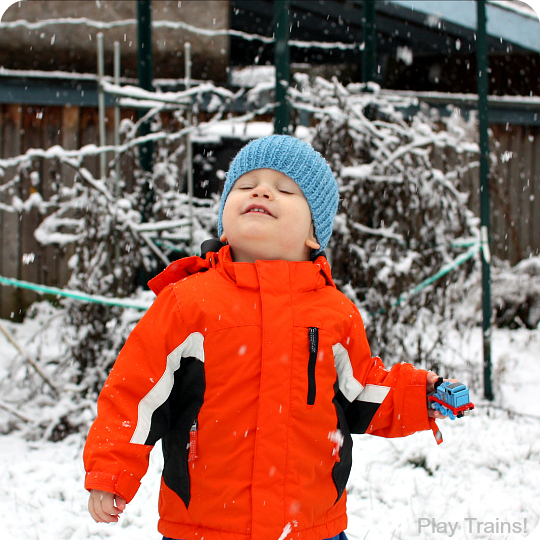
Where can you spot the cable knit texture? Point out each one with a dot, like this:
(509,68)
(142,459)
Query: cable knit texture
(301,162)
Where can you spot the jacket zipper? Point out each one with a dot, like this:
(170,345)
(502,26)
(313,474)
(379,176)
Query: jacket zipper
(313,350)
(192,454)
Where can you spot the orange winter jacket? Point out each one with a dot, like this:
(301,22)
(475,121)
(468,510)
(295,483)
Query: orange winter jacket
(253,376)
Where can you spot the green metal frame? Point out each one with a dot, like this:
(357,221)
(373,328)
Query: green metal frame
(369,38)
(483,127)
(283,67)
(145,73)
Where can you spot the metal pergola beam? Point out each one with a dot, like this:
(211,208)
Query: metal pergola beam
(485,229)
(283,66)
(145,73)
(369,39)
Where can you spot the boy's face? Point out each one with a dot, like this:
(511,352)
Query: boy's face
(267,217)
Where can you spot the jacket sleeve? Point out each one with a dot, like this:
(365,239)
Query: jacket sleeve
(378,401)
(131,414)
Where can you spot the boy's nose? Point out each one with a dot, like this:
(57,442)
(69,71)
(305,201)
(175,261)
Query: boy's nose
(262,191)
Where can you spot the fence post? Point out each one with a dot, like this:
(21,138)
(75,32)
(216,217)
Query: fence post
(283,68)
(483,127)
(145,73)
(369,37)
(189,147)
(117,73)
(101,106)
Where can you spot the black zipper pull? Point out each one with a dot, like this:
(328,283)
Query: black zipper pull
(313,350)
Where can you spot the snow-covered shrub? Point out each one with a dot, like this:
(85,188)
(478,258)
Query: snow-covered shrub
(123,242)
(120,237)
(516,293)
(401,216)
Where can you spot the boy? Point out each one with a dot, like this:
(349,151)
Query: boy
(253,370)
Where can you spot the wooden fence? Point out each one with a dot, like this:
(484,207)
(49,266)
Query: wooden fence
(515,192)
(21,256)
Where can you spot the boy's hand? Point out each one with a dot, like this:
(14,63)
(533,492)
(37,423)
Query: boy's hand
(105,507)
(432,378)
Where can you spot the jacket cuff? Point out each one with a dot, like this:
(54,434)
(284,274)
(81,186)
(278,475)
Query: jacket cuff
(420,378)
(123,484)
(415,403)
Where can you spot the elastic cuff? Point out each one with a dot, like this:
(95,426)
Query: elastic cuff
(123,484)
(126,486)
(100,480)
(419,377)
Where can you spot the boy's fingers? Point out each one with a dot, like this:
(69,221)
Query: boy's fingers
(91,508)
(101,507)
(94,507)
(108,505)
(431,379)
(120,503)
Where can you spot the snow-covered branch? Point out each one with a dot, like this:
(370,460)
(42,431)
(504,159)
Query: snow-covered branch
(384,232)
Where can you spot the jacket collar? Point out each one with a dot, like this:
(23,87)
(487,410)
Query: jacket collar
(304,275)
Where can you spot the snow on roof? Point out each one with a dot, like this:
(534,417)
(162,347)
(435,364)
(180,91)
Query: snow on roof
(531,8)
(512,21)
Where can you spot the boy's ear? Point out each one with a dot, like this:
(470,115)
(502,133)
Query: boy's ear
(223,238)
(312,244)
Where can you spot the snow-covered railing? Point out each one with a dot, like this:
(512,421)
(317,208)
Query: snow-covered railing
(174,25)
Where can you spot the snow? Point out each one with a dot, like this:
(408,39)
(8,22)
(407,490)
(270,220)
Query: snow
(487,470)
(529,8)
(232,129)
(485,474)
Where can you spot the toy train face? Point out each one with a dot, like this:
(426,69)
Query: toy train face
(454,396)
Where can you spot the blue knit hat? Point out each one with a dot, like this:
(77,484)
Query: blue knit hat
(299,161)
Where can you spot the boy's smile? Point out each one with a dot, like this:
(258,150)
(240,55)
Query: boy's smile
(267,217)
(258,208)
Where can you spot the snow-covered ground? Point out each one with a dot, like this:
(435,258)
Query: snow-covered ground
(482,482)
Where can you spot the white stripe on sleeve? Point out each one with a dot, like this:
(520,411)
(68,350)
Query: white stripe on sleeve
(348,385)
(374,393)
(191,347)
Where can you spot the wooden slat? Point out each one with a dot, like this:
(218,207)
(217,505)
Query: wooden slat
(31,269)
(525,222)
(70,141)
(127,165)
(51,136)
(10,232)
(534,135)
(89,134)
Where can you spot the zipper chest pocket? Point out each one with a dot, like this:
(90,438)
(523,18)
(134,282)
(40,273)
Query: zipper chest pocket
(192,446)
(313,335)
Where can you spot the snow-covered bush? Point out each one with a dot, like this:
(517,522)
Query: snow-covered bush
(402,212)
(125,242)
(120,237)
(516,293)
(402,218)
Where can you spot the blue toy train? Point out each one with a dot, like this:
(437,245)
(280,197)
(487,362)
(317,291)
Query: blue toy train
(451,396)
